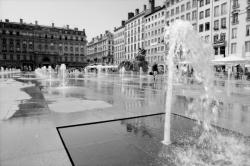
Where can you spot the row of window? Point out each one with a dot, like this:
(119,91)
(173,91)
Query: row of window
(119,48)
(116,35)
(133,47)
(100,44)
(133,39)
(133,31)
(159,31)
(45,36)
(223,11)
(207,14)
(118,41)
(216,25)
(119,55)
(180,9)
(152,59)
(31,58)
(172,2)
(188,17)
(234,32)
(234,47)
(17,57)
(153,41)
(155,24)
(155,50)
(133,24)
(204,2)
(154,17)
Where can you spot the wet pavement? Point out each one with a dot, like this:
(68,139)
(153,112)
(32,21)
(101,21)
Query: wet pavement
(137,141)
(30,137)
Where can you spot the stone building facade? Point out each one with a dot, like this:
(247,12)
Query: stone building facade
(101,49)
(119,44)
(134,33)
(35,45)
(240,28)
(153,35)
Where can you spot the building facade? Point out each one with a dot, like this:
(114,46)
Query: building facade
(223,23)
(153,35)
(119,44)
(211,19)
(220,27)
(240,28)
(101,49)
(35,45)
(134,33)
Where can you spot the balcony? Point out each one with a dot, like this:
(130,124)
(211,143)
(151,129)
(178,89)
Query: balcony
(221,41)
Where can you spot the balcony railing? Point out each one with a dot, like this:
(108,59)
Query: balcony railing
(220,41)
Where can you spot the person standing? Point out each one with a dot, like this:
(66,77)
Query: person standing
(155,70)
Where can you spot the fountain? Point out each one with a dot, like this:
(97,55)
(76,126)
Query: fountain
(199,54)
(141,72)
(63,74)
(9,70)
(50,75)
(85,70)
(122,71)
(209,146)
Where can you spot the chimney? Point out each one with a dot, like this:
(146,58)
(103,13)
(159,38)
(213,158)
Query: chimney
(53,25)
(100,35)
(67,26)
(145,7)
(137,11)
(36,22)
(152,5)
(21,21)
(106,31)
(6,20)
(76,29)
(130,15)
(123,23)
(83,30)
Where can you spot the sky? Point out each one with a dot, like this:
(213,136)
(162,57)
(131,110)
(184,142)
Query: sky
(95,16)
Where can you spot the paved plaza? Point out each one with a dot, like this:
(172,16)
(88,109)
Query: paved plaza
(35,108)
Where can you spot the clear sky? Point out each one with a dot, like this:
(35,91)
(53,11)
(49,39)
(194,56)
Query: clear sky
(95,16)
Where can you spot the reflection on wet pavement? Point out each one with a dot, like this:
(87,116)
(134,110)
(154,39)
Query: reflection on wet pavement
(137,141)
(32,131)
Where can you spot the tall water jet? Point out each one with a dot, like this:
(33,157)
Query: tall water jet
(63,74)
(85,70)
(122,71)
(50,75)
(140,72)
(185,44)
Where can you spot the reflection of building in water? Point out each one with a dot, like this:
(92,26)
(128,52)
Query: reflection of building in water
(137,100)
(146,127)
